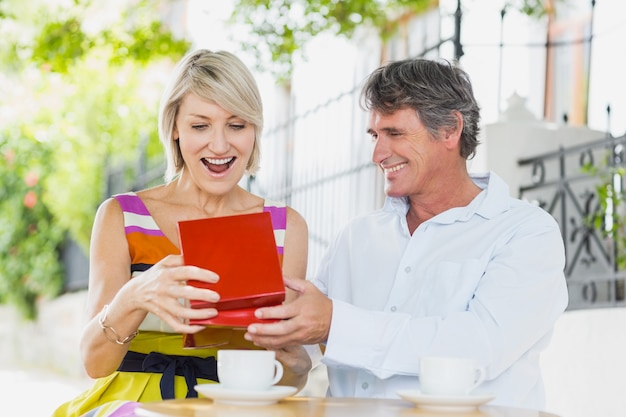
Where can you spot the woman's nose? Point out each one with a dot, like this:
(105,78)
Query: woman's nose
(218,142)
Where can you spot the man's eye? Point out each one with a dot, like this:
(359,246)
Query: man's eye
(373,137)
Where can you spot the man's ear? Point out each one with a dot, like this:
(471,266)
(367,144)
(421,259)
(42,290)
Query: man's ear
(452,134)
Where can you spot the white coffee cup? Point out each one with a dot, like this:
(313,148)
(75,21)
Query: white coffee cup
(248,369)
(449,375)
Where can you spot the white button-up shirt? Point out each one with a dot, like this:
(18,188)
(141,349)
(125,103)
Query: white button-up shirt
(483,281)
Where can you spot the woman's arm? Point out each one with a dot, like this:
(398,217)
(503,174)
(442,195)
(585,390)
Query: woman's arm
(296,249)
(109,271)
(157,290)
(296,361)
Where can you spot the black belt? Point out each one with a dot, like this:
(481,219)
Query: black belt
(191,367)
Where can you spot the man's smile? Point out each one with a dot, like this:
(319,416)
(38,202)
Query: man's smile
(394,168)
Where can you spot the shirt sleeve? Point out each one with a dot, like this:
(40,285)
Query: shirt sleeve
(516,302)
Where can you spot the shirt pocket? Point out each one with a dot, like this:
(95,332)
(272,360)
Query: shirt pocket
(450,286)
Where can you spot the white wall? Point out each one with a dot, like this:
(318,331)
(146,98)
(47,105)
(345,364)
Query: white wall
(49,343)
(585,365)
(518,134)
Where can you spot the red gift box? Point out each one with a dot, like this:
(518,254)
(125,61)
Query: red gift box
(242,250)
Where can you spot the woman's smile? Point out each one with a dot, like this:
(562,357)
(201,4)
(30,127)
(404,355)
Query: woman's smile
(218,165)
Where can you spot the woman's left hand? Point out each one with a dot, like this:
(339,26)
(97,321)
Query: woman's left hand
(296,365)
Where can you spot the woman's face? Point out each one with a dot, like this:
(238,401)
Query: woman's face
(215,144)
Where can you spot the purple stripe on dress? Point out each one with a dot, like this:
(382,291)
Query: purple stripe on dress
(132,204)
(151,232)
(279,216)
(126,410)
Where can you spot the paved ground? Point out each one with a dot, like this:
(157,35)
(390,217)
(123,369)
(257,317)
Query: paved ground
(35,393)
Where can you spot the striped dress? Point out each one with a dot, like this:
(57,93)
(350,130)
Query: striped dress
(118,394)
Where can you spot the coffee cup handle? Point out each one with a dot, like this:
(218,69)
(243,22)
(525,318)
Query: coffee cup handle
(279,372)
(480,377)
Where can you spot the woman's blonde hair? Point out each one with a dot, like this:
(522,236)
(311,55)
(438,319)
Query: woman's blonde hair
(220,77)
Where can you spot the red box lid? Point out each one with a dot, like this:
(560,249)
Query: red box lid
(242,250)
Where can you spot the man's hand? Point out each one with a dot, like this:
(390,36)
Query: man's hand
(305,320)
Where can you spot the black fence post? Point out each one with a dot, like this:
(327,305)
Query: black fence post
(458,47)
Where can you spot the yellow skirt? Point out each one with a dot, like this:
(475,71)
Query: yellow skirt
(122,387)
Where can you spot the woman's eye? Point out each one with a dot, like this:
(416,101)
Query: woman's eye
(237,126)
(199,127)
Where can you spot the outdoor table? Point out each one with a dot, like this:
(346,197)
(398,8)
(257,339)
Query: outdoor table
(321,407)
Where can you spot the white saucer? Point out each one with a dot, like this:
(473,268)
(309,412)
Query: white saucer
(219,394)
(445,402)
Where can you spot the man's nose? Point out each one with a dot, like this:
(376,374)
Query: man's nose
(380,152)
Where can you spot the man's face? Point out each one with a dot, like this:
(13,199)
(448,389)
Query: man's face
(410,158)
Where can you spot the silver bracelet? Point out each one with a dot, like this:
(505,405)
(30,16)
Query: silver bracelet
(106,329)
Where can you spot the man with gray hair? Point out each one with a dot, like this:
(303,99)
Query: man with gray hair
(452,265)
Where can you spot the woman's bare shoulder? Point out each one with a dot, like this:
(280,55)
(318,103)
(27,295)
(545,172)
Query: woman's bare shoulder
(295,219)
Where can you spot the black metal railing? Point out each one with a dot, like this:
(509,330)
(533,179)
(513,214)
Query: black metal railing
(568,183)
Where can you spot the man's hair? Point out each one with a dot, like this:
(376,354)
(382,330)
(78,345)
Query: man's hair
(219,77)
(434,89)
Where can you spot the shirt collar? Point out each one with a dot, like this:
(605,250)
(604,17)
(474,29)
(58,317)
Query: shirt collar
(497,196)
(493,200)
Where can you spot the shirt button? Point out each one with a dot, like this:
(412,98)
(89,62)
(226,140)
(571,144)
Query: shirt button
(407,269)
(393,308)
(365,385)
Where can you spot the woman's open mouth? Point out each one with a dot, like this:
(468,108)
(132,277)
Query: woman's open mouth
(218,165)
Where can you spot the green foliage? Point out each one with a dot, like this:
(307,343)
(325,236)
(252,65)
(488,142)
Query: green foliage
(96,126)
(280,28)
(30,238)
(74,103)
(533,8)
(284,26)
(609,218)
(60,44)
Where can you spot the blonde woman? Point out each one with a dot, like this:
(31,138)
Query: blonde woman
(210,124)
